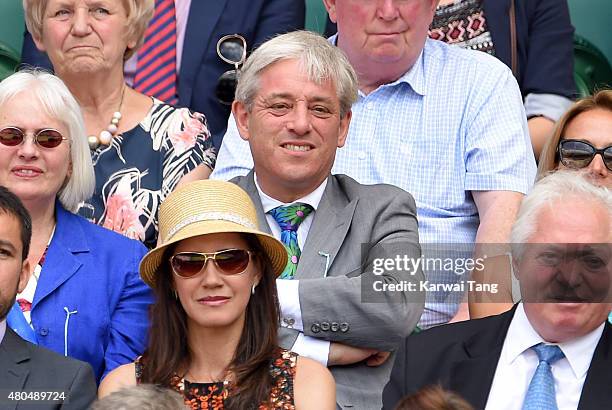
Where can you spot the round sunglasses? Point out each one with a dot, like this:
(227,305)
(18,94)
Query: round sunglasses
(46,138)
(579,154)
(228,262)
(232,49)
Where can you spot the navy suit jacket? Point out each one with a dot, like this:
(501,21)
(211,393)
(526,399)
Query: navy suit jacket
(463,357)
(255,20)
(93,273)
(544,43)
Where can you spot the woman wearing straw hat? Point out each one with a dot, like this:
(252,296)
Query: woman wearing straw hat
(214,326)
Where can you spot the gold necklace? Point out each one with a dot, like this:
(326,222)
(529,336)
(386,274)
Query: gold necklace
(106,136)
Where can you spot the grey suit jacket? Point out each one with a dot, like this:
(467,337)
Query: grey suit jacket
(354,224)
(25,367)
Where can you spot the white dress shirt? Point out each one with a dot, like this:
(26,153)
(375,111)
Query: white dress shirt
(518,362)
(288,289)
(2,329)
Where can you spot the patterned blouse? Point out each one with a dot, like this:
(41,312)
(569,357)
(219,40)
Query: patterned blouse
(462,23)
(142,166)
(213,395)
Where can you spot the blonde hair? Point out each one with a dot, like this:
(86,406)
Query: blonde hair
(58,103)
(139,14)
(549,161)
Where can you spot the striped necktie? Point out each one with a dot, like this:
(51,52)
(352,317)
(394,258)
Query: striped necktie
(156,67)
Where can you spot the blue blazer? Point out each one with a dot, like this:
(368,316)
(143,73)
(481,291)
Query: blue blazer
(545,47)
(208,21)
(90,302)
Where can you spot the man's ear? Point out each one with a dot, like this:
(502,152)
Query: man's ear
(24,275)
(330,5)
(344,128)
(241,116)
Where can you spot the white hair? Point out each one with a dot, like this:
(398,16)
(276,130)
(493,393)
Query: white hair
(319,59)
(560,185)
(58,103)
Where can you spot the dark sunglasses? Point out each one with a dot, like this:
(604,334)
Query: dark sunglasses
(232,49)
(228,262)
(46,138)
(579,154)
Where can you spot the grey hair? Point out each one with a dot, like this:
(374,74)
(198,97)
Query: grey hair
(319,59)
(142,397)
(59,104)
(559,185)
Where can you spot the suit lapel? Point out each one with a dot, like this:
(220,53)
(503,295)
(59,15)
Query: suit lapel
(472,377)
(248,184)
(596,392)
(329,228)
(61,263)
(202,20)
(14,358)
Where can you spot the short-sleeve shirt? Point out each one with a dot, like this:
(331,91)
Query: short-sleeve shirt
(142,166)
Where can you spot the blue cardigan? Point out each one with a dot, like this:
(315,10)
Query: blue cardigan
(90,302)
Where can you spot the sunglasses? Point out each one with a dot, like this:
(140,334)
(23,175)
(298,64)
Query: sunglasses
(228,262)
(232,49)
(579,154)
(46,138)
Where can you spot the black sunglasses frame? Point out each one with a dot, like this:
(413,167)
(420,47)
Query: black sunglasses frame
(568,162)
(36,136)
(211,256)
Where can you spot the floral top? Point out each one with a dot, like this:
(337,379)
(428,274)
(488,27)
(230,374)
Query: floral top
(142,166)
(213,395)
(462,23)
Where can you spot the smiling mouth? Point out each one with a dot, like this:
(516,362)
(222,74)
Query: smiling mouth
(297,148)
(22,172)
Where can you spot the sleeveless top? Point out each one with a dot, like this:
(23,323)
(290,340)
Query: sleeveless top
(213,395)
(462,23)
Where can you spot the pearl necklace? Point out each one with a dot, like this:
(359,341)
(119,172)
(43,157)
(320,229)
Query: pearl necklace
(107,135)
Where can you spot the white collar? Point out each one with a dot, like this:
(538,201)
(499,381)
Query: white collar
(313,199)
(578,351)
(2,329)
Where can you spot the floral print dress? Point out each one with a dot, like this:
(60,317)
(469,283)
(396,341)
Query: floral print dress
(142,166)
(213,395)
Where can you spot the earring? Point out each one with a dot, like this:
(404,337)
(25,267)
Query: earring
(253,288)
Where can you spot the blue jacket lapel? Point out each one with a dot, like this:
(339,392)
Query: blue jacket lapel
(203,17)
(61,261)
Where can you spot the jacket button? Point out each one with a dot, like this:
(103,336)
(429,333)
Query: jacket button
(316,328)
(344,327)
(43,332)
(335,326)
(325,326)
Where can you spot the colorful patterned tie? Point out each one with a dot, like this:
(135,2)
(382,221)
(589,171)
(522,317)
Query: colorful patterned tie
(289,219)
(156,67)
(541,392)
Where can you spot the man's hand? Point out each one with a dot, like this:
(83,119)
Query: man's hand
(341,355)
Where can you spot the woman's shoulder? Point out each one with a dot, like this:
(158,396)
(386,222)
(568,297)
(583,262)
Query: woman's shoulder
(120,377)
(312,379)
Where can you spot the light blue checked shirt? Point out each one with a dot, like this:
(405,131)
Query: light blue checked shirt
(454,123)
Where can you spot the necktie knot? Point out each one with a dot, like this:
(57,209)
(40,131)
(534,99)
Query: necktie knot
(548,353)
(291,216)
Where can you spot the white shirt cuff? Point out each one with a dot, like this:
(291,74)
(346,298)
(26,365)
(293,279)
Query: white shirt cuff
(311,347)
(289,301)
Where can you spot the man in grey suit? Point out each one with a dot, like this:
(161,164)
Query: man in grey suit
(31,377)
(293,106)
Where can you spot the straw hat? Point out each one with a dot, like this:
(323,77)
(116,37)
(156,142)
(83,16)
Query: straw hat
(205,207)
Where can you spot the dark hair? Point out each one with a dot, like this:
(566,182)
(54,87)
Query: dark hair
(433,398)
(168,351)
(10,204)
